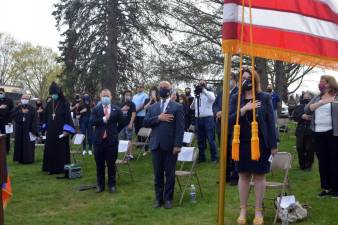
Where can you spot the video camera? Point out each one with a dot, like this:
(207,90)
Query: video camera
(198,89)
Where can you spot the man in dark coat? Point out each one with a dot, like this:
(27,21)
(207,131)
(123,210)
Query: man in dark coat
(6,107)
(305,138)
(232,175)
(166,118)
(58,125)
(26,131)
(108,121)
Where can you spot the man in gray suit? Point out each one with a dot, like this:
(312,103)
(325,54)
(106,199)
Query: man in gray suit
(166,118)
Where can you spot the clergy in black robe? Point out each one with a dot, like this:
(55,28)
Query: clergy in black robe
(6,107)
(26,131)
(58,125)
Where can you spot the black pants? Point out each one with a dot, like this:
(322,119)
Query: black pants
(8,143)
(327,153)
(306,149)
(105,154)
(164,163)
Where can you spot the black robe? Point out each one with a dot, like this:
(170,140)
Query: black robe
(57,152)
(24,148)
(5,118)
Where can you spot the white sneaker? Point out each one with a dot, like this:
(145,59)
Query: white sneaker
(90,152)
(84,152)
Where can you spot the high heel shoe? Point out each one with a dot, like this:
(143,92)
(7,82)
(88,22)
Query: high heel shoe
(258,220)
(241,220)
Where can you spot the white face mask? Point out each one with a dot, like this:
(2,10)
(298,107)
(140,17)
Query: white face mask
(24,101)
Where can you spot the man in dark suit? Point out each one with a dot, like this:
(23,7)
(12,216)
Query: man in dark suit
(232,175)
(166,118)
(108,122)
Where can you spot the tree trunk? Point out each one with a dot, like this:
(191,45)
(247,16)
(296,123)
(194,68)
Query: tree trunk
(261,67)
(110,77)
(281,86)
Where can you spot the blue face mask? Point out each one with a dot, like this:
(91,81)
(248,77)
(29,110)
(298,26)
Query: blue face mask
(164,92)
(105,100)
(2,96)
(55,97)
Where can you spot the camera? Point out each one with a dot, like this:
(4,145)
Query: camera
(198,89)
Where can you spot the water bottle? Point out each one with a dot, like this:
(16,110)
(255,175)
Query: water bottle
(192,193)
(284,218)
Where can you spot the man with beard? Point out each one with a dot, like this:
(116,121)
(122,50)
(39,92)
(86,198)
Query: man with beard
(58,125)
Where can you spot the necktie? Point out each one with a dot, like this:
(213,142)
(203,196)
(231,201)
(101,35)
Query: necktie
(162,106)
(106,114)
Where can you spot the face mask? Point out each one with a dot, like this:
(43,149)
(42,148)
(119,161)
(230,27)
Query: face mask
(164,92)
(86,99)
(231,85)
(322,88)
(24,101)
(105,100)
(55,97)
(269,90)
(247,85)
(2,95)
(181,101)
(187,92)
(127,98)
(306,101)
(38,104)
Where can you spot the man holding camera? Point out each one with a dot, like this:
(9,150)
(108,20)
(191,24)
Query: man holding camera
(205,122)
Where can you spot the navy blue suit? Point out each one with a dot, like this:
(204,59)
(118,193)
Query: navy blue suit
(106,150)
(164,137)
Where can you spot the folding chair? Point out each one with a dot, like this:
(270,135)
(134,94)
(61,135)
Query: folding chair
(188,138)
(187,155)
(77,141)
(145,134)
(281,162)
(123,148)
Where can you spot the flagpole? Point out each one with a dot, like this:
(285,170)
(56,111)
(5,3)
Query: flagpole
(224,138)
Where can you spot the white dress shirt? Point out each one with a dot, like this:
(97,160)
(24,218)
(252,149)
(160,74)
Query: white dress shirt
(165,102)
(207,99)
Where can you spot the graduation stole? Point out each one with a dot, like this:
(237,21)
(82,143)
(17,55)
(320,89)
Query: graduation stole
(255,153)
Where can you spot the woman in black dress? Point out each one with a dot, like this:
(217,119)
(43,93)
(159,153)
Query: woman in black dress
(246,167)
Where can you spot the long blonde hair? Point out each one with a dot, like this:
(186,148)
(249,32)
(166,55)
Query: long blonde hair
(331,80)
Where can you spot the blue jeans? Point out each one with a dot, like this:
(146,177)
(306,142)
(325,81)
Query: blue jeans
(206,130)
(87,130)
(126,134)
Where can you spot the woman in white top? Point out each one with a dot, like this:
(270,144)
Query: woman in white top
(324,110)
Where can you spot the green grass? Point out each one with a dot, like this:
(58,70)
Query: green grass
(40,199)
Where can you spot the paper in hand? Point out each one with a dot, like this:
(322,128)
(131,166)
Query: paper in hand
(270,158)
(32,137)
(61,136)
(9,128)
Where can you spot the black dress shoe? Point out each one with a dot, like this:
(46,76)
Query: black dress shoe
(99,190)
(158,204)
(168,205)
(112,189)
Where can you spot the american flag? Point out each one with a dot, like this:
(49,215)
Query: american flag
(298,31)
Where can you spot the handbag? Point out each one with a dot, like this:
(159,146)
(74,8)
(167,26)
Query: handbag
(295,212)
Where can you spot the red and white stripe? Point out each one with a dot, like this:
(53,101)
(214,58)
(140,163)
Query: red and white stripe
(305,26)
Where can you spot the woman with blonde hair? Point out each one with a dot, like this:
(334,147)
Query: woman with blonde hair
(247,167)
(324,123)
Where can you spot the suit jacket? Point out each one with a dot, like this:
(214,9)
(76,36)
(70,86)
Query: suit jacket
(113,126)
(265,117)
(217,106)
(165,135)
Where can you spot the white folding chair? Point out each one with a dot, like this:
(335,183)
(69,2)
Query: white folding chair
(77,141)
(187,155)
(145,134)
(188,138)
(123,160)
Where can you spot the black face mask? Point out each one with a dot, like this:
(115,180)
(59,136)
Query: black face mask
(306,101)
(164,92)
(247,85)
(269,90)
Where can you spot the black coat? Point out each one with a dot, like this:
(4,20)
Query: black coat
(24,148)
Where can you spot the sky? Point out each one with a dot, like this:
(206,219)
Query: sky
(32,20)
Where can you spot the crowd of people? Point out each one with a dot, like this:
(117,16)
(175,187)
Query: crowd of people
(169,113)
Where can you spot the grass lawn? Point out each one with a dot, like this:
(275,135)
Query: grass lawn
(40,199)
